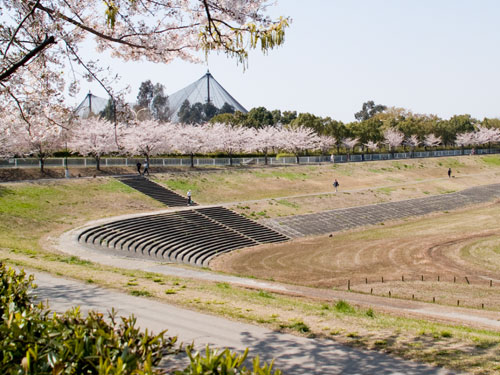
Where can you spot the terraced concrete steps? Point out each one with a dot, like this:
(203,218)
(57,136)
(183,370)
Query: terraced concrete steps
(192,236)
(156,191)
(352,217)
(247,227)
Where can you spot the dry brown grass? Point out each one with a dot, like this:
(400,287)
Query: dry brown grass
(444,245)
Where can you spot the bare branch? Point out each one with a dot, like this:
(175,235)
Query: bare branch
(95,32)
(19,27)
(8,72)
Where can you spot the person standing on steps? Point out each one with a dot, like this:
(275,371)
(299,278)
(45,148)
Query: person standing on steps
(146,168)
(449,172)
(139,167)
(336,185)
(189,197)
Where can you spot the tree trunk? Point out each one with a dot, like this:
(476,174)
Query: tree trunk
(42,162)
(192,160)
(265,158)
(297,157)
(230,159)
(97,163)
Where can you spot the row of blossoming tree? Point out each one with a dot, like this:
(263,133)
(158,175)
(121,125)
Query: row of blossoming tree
(96,137)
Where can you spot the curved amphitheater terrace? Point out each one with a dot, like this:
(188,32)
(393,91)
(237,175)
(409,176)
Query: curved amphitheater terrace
(417,238)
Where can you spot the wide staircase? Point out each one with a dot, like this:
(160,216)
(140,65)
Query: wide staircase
(189,236)
(156,191)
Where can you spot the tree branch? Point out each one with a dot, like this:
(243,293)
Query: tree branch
(8,72)
(19,26)
(18,105)
(90,30)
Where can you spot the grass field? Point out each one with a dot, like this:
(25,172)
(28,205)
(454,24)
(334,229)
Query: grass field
(461,243)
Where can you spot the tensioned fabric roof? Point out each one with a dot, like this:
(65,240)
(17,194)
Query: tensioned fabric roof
(91,104)
(204,90)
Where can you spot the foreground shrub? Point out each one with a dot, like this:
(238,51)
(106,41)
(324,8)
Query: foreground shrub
(224,362)
(33,340)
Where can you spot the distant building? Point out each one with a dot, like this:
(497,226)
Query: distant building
(204,90)
(90,105)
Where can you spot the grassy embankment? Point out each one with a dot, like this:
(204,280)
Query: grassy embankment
(284,191)
(32,213)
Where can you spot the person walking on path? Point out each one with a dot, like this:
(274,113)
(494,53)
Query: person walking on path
(336,185)
(449,172)
(139,167)
(146,168)
(189,197)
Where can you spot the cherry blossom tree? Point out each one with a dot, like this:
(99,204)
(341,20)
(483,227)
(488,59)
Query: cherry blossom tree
(372,146)
(325,143)
(7,135)
(147,138)
(41,139)
(297,140)
(264,140)
(465,139)
(230,139)
(393,138)
(412,142)
(349,144)
(39,39)
(431,140)
(485,135)
(192,139)
(93,137)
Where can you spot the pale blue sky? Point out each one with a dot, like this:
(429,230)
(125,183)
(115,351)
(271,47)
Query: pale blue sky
(429,56)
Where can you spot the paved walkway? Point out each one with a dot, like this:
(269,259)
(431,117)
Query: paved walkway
(293,354)
(347,218)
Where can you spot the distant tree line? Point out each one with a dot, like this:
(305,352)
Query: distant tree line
(372,122)
(199,113)
(370,131)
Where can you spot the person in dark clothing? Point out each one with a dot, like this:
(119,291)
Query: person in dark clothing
(336,185)
(139,167)
(146,168)
(449,172)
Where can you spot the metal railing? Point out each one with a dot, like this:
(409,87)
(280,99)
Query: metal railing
(167,162)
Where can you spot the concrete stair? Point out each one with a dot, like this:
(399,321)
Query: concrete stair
(156,191)
(193,236)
